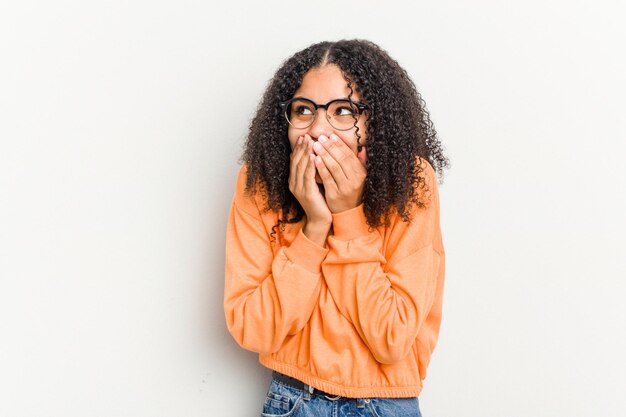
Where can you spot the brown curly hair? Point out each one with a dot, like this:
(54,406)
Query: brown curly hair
(398,127)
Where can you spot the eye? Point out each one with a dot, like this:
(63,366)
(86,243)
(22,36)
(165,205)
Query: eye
(303,110)
(344,111)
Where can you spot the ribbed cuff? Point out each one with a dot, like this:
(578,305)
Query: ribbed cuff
(306,253)
(350,224)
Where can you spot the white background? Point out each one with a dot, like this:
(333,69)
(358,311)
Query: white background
(121,123)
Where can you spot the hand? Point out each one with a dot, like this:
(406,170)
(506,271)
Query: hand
(342,171)
(303,186)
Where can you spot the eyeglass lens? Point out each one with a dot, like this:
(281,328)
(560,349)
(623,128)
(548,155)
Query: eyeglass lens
(342,114)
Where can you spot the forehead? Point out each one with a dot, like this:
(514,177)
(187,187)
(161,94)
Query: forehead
(323,84)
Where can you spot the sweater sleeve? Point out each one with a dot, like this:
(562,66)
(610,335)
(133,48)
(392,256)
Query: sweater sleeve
(266,297)
(386,296)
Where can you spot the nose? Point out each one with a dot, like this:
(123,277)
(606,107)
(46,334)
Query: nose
(320,125)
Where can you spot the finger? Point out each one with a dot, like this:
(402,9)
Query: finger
(310,187)
(296,152)
(343,142)
(344,154)
(332,165)
(296,157)
(355,161)
(304,160)
(337,147)
(309,173)
(330,185)
(308,144)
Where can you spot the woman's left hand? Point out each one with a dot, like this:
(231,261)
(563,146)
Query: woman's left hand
(342,171)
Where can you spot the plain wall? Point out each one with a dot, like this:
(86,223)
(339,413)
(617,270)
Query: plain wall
(121,123)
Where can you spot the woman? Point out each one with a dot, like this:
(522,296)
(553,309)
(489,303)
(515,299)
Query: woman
(334,256)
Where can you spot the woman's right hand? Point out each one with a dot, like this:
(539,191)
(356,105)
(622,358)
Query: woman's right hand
(303,186)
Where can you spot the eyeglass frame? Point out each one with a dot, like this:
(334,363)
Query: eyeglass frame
(360,106)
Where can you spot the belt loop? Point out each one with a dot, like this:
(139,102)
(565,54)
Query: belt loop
(308,390)
(360,403)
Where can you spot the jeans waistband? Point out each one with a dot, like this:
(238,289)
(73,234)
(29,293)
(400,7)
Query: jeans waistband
(296,383)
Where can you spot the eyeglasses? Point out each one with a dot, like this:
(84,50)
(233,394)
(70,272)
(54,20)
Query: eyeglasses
(342,114)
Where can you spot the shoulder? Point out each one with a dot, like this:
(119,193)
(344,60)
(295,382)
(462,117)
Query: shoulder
(247,200)
(242,178)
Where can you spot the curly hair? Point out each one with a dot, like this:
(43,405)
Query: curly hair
(398,128)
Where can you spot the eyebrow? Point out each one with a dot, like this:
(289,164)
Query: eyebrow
(342,98)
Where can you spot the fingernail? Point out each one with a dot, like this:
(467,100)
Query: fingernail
(322,139)
(317,146)
(300,140)
(334,137)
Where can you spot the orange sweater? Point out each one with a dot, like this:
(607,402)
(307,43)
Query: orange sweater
(358,318)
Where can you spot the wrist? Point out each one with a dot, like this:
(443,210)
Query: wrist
(317,231)
(344,205)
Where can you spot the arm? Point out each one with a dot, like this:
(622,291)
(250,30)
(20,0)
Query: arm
(266,297)
(387,297)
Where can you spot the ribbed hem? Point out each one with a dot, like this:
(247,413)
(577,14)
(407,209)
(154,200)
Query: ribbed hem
(350,224)
(336,389)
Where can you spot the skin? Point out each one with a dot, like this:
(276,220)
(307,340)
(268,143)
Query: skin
(327,173)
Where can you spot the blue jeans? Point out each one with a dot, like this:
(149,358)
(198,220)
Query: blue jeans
(286,401)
